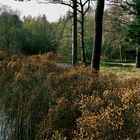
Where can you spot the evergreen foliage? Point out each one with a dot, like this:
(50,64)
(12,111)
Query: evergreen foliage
(40,36)
(11,32)
(30,36)
(133,27)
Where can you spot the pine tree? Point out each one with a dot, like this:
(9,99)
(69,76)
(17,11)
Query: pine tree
(133,27)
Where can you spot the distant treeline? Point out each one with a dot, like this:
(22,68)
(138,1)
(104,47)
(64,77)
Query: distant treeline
(36,35)
(30,36)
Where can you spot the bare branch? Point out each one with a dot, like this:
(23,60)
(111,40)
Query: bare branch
(87,7)
(86,2)
(66,4)
(79,11)
(54,2)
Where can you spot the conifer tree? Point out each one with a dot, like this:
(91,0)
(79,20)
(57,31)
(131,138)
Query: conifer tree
(133,27)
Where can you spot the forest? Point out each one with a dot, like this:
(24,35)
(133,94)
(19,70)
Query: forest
(74,79)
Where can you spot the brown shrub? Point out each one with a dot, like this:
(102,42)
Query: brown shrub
(42,100)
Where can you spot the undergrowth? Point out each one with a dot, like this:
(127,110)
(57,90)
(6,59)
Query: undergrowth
(40,100)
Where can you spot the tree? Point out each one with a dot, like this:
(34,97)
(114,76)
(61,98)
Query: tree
(95,63)
(74,31)
(114,44)
(40,37)
(64,28)
(133,27)
(77,6)
(82,12)
(11,30)
(74,4)
(88,35)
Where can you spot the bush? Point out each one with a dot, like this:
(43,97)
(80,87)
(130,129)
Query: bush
(44,101)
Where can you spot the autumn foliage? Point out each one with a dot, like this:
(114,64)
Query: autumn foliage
(43,101)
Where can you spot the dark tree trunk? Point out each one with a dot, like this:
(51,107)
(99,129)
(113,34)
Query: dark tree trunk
(74,33)
(95,63)
(138,58)
(83,12)
(82,38)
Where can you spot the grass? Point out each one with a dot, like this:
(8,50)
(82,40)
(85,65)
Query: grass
(121,71)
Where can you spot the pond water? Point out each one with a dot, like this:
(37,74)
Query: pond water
(5,127)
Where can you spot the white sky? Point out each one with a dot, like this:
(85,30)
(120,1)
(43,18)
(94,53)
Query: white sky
(52,11)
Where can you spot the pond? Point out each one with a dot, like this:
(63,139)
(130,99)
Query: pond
(5,127)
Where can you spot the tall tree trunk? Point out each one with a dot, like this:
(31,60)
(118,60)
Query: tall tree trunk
(95,63)
(82,38)
(74,33)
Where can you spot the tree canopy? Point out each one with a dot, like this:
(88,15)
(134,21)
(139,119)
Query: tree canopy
(11,30)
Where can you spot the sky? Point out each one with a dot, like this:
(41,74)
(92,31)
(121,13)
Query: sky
(52,11)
